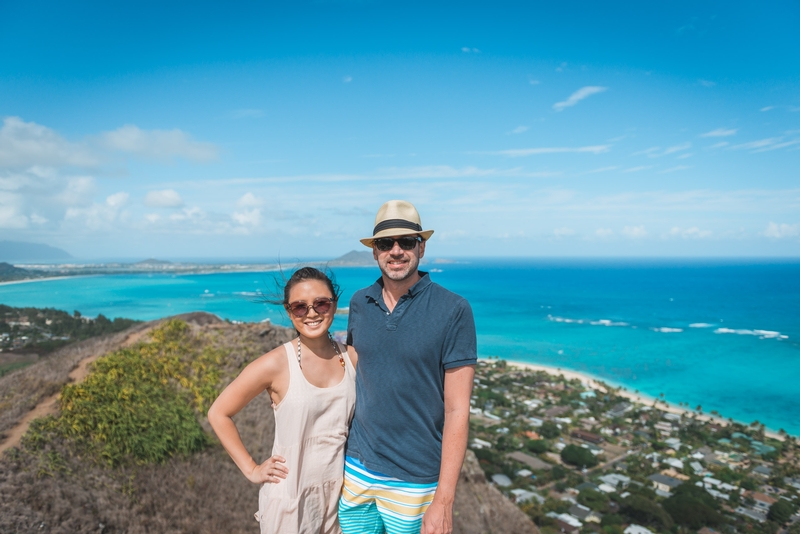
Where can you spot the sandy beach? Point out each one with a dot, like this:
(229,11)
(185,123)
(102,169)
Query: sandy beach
(603,385)
(43,279)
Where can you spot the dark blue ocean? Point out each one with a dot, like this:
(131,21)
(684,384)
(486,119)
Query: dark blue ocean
(721,334)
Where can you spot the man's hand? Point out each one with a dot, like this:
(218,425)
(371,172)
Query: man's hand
(438,518)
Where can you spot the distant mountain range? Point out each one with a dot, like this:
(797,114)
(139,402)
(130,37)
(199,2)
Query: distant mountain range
(353,258)
(12,251)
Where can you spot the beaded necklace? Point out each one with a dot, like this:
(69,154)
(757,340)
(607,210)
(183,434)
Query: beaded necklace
(335,347)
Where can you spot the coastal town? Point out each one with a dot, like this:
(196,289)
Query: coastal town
(578,455)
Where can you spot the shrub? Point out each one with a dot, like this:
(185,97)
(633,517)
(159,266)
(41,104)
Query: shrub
(780,512)
(549,430)
(578,456)
(596,500)
(642,509)
(537,446)
(693,507)
(141,402)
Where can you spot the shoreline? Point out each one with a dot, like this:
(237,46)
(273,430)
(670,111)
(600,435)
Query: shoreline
(600,384)
(45,279)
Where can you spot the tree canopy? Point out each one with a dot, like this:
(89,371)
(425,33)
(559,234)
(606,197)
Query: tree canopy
(578,456)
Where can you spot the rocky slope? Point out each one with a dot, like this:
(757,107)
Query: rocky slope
(56,487)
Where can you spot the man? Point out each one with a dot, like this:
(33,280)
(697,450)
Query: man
(416,350)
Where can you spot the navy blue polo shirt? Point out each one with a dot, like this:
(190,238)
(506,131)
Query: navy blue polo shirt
(402,357)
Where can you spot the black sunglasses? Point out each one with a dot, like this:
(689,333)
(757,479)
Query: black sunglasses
(300,309)
(387,243)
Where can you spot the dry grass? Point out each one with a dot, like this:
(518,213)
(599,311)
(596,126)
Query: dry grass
(58,488)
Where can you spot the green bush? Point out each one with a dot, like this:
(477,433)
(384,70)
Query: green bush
(596,500)
(780,511)
(693,507)
(549,430)
(537,446)
(578,456)
(643,510)
(142,402)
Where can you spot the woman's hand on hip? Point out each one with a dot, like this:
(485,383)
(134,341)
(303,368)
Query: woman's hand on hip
(271,471)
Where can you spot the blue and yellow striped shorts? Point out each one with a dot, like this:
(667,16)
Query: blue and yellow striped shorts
(373,503)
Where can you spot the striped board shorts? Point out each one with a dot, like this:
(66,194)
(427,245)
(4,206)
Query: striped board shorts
(373,503)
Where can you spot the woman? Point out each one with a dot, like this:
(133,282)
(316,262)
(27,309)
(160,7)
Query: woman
(311,382)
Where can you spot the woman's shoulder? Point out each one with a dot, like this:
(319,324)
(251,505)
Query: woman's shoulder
(272,362)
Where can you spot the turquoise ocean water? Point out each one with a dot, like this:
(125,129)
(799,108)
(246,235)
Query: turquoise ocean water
(724,335)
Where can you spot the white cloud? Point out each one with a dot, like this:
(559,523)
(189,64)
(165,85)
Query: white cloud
(563,232)
(577,96)
(677,148)
(688,233)
(706,83)
(249,200)
(604,232)
(720,132)
(639,168)
(647,151)
(10,217)
(684,156)
(117,200)
(765,145)
(247,217)
(25,144)
(782,231)
(721,144)
(347,79)
(38,219)
(561,67)
(656,152)
(158,144)
(602,169)
(468,50)
(520,152)
(676,169)
(634,232)
(78,191)
(192,214)
(446,171)
(165,198)
(534,82)
(519,130)
(97,216)
(767,108)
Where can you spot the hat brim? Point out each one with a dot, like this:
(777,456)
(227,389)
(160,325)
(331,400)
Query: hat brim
(394,232)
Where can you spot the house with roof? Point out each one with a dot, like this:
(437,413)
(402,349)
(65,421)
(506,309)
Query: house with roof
(615,480)
(618,410)
(663,483)
(584,513)
(522,496)
(762,471)
(636,529)
(565,522)
(501,480)
(531,461)
(586,436)
(762,501)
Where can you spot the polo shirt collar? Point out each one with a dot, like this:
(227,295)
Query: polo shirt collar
(375,290)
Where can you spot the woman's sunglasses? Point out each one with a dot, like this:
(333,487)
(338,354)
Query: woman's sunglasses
(320,305)
(387,243)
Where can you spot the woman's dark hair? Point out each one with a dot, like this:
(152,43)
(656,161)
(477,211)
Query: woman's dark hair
(310,273)
(301,275)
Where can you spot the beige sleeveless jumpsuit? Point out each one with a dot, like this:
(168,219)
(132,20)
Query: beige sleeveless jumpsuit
(311,426)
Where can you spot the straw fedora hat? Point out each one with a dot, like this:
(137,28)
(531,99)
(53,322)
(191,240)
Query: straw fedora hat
(396,218)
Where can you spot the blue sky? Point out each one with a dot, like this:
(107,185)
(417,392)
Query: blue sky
(518,129)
